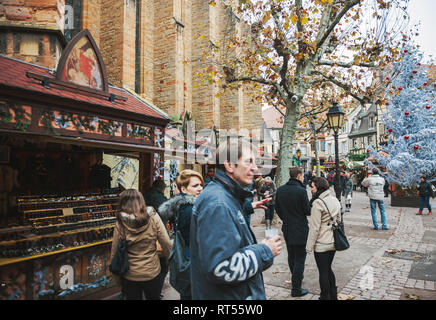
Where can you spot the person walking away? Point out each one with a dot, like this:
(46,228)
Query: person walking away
(330,178)
(292,205)
(355,181)
(375,184)
(179,208)
(226,260)
(268,190)
(348,191)
(142,228)
(155,197)
(320,239)
(425,191)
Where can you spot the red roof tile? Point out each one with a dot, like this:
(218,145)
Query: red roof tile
(13,73)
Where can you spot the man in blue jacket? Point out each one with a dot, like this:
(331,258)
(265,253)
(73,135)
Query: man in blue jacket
(226,261)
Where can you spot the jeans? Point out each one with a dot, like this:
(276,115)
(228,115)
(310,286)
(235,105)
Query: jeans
(424,201)
(269,212)
(134,290)
(296,260)
(381,206)
(327,279)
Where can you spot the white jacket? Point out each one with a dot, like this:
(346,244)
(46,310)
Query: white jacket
(375,185)
(320,238)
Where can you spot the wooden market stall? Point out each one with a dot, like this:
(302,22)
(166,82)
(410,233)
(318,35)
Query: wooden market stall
(57,207)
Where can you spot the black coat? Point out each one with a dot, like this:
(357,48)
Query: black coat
(154,198)
(292,206)
(425,190)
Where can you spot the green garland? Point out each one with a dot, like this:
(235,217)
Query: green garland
(19,116)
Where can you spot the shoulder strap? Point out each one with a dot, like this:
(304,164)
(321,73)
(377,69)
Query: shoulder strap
(328,210)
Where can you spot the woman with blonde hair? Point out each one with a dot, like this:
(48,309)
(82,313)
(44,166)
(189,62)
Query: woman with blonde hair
(141,227)
(179,209)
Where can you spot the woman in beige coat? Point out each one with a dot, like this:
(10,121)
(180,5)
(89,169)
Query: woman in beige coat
(142,228)
(320,238)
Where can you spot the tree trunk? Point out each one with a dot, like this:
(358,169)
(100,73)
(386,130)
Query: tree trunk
(286,144)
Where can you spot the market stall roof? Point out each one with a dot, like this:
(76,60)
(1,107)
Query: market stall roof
(76,101)
(20,79)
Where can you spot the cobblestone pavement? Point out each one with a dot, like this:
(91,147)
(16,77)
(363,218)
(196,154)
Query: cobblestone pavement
(397,264)
(380,265)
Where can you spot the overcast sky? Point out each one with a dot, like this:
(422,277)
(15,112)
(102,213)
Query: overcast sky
(424,11)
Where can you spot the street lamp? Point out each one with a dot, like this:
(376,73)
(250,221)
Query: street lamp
(298,157)
(335,118)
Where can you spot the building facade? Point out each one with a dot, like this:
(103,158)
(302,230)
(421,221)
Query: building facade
(156,48)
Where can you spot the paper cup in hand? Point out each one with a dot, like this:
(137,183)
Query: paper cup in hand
(271,233)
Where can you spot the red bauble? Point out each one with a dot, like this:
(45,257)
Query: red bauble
(416,147)
(368,151)
(427,107)
(400,88)
(389,130)
(387,103)
(419,63)
(406,113)
(406,137)
(434,85)
(425,83)
(387,78)
(405,50)
(415,72)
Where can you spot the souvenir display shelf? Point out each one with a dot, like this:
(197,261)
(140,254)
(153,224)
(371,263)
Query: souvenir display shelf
(59,223)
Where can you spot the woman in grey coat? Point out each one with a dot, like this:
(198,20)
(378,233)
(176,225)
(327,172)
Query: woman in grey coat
(348,191)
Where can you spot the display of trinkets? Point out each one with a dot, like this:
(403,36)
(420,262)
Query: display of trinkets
(53,243)
(55,223)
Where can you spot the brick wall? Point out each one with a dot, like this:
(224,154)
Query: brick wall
(171,56)
(111,39)
(91,18)
(164,50)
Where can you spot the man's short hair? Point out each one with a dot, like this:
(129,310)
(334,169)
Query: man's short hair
(230,150)
(374,171)
(159,184)
(294,172)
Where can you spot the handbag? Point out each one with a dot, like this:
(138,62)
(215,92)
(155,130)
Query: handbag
(179,263)
(340,239)
(120,262)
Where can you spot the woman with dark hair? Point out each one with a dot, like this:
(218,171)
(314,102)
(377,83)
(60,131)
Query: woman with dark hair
(325,207)
(425,191)
(142,228)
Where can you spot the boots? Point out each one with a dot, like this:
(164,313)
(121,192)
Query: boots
(419,213)
(268,223)
(334,293)
(430,213)
(299,292)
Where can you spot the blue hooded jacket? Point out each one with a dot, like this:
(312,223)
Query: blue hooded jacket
(226,261)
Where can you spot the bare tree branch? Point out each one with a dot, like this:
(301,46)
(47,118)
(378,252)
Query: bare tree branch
(345,65)
(345,9)
(363,100)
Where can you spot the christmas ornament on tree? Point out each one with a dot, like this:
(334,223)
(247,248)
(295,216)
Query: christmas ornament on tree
(410,151)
